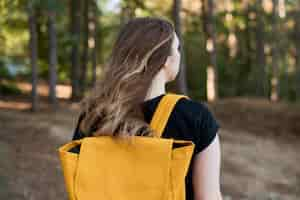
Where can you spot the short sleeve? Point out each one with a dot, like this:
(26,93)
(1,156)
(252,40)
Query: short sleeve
(206,128)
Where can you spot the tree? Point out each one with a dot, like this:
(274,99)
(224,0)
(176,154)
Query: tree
(33,54)
(75,35)
(95,12)
(85,53)
(181,81)
(261,87)
(52,57)
(275,53)
(248,10)
(232,40)
(297,45)
(128,10)
(209,30)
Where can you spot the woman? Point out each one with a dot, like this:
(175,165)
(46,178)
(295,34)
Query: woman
(145,56)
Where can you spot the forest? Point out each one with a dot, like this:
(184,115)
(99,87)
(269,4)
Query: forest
(240,57)
(229,50)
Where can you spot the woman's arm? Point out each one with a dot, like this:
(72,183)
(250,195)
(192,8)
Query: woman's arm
(206,172)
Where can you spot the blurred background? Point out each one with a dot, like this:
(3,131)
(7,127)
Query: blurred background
(240,57)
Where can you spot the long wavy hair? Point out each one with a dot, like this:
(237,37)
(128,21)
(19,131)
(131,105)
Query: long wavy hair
(114,106)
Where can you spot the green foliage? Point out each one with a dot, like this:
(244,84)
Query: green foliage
(237,75)
(3,71)
(52,5)
(9,88)
(196,59)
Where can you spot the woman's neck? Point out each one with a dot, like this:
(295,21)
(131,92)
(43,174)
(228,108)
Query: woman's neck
(157,86)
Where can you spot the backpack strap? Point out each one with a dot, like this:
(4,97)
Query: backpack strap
(163,112)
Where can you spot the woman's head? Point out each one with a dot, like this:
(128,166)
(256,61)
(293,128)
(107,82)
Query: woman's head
(144,46)
(151,43)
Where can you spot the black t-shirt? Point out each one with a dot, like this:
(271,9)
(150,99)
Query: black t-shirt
(189,120)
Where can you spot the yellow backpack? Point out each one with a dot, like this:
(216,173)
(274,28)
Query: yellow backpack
(149,168)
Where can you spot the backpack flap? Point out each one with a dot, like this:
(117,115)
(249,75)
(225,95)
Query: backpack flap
(109,168)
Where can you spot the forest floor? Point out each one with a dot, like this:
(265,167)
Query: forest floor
(260,145)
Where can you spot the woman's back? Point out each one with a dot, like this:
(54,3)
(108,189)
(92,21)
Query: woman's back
(189,120)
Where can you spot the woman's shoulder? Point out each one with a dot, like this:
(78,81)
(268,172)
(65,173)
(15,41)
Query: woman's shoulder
(193,107)
(204,123)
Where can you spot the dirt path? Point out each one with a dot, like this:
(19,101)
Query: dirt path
(28,143)
(259,168)
(254,166)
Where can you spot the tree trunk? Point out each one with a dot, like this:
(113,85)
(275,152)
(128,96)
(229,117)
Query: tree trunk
(275,54)
(95,47)
(248,30)
(85,54)
(261,83)
(52,58)
(33,56)
(181,80)
(283,40)
(127,11)
(297,55)
(231,40)
(209,30)
(75,35)
(247,55)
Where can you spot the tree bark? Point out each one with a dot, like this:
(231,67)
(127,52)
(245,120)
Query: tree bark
(75,35)
(127,11)
(33,56)
(209,30)
(248,30)
(275,54)
(262,85)
(85,53)
(297,55)
(181,80)
(52,58)
(95,48)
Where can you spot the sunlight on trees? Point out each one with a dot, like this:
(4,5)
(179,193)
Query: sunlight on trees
(253,51)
